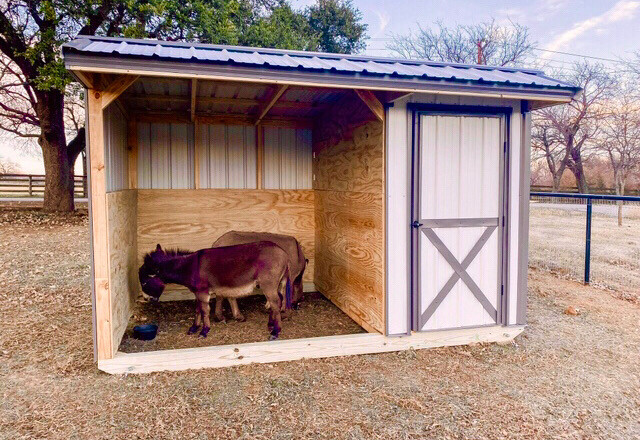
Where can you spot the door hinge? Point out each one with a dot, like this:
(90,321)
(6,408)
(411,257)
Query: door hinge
(501,289)
(416,224)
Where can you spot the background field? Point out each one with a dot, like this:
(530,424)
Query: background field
(557,243)
(566,377)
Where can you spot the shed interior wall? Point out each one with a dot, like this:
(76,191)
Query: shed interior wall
(194,219)
(349,185)
(123,263)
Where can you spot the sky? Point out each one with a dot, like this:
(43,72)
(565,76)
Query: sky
(605,29)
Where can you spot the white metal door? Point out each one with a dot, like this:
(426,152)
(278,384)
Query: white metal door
(458,206)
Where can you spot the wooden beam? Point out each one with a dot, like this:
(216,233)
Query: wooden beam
(99,225)
(132,147)
(87,78)
(224,101)
(372,102)
(116,87)
(259,154)
(274,98)
(223,118)
(295,349)
(197,146)
(234,119)
(194,96)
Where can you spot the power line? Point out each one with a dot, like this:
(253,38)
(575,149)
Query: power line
(580,55)
(611,60)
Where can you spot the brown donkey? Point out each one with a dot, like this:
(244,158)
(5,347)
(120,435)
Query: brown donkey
(231,271)
(297,264)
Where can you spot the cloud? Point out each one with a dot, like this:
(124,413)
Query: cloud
(622,10)
(384,19)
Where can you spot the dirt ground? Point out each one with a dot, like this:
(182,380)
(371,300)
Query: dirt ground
(317,316)
(566,377)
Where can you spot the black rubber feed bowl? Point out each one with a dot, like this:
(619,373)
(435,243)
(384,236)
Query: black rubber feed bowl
(145,332)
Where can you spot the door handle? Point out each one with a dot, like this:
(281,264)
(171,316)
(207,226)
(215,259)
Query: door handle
(416,224)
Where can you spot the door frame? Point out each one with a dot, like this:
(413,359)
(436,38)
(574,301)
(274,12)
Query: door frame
(417,111)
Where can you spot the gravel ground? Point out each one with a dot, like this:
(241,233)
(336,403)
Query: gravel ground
(566,377)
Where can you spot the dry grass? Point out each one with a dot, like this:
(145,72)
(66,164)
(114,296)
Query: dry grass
(557,244)
(567,377)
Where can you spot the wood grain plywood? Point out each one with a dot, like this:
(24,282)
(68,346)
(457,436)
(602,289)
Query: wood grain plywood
(123,279)
(349,185)
(350,256)
(194,219)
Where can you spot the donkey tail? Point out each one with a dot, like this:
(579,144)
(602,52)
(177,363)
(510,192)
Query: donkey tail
(288,290)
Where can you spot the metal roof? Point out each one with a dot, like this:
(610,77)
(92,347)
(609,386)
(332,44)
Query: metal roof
(327,63)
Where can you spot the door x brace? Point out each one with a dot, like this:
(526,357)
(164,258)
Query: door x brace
(460,272)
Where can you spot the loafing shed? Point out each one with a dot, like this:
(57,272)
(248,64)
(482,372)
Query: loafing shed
(406,182)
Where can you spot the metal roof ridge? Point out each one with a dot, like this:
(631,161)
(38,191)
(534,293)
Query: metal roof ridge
(73,44)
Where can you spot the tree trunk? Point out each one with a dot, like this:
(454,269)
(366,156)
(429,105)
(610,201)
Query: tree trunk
(577,169)
(58,184)
(619,192)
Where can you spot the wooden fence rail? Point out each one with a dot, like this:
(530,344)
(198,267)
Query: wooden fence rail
(32,185)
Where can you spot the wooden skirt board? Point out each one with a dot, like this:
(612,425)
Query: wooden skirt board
(290,350)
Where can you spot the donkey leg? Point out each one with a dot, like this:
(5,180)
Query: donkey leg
(235,310)
(282,292)
(206,309)
(297,292)
(196,322)
(275,319)
(218,314)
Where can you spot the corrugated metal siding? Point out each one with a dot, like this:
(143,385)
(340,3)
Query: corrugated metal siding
(165,156)
(286,59)
(227,156)
(116,159)
(287,158)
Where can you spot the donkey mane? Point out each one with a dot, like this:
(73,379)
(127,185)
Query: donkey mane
(168,253)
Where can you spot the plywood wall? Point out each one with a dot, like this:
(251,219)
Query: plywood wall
(123,264)
(349,189)
(194,219)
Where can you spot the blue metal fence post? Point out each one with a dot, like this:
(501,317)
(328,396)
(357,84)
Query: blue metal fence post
(587,251)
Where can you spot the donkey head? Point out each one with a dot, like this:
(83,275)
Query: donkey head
(150,273)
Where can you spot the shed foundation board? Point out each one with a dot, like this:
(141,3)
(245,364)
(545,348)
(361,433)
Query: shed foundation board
(290,350)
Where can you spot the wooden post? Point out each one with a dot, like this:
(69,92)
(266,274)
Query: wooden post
(132,147)
(30,185)
(259,154)
(197,147)
(99,225)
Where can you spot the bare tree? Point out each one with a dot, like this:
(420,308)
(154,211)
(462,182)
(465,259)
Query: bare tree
(7,166)
(546,144)
(576,124)
(482,43)
(620,139)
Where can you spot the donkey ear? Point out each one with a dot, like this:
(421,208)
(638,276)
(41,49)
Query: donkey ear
(158,247)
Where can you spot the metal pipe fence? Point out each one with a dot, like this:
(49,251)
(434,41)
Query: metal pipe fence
(589,200)
(32,185)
